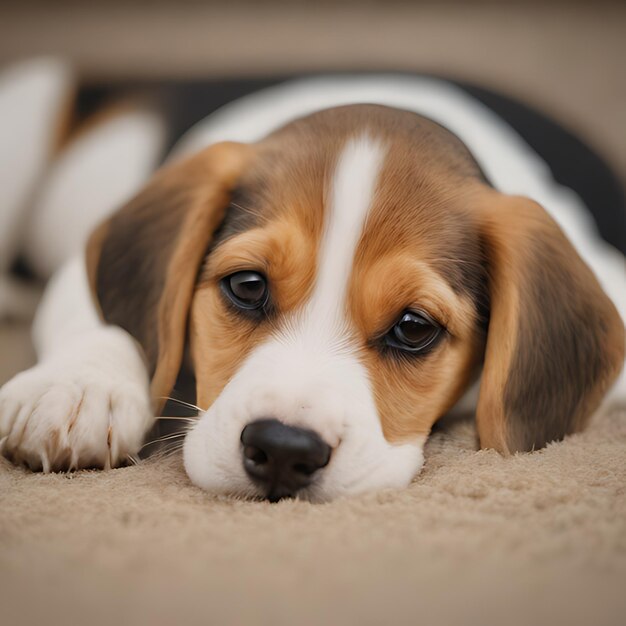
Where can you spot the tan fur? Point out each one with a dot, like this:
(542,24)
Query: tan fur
(514,226)
(280,250)
(225,165)
(416,221)
(422,248)
(203,182)
(393,269)
(411,394)
(220,338)
(287,185)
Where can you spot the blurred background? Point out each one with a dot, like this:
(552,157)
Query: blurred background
(565,57)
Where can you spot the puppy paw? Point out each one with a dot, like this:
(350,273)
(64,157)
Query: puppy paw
(60,416)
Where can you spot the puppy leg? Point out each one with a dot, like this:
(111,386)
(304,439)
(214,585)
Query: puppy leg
(87,402)
(100,169)
(34,98)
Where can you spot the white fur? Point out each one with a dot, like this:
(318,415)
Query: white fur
(98,172)
(309,373)
(86,403)
(32,97)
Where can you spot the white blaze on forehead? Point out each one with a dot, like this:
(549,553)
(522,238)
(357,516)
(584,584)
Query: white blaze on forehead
(347,208)
(312,355)
(307,375)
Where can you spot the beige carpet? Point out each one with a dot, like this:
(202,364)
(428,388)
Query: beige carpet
(477,539)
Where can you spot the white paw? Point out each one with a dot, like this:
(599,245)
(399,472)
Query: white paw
(75,413)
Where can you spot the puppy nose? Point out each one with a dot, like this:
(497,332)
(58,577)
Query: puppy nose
(282,459)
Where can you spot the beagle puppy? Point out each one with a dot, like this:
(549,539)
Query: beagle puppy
(335,261)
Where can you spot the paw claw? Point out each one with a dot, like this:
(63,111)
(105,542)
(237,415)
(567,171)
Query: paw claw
(54,419)
(45,463)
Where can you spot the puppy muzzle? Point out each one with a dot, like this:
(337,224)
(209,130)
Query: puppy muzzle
(282,459)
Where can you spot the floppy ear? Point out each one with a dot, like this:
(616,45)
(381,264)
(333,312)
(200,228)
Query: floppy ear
(555,341)
(143,262)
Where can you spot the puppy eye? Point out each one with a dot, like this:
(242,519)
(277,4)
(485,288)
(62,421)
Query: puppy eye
(414,332)
(246,290)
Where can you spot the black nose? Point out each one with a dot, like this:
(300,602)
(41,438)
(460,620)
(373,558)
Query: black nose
(282,459)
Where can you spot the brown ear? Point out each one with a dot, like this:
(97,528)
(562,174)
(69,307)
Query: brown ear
(555,340)
(143,262)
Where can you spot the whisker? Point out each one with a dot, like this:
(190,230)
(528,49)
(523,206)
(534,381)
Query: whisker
(183,403)
(176,417)
(164,438)
(168,452)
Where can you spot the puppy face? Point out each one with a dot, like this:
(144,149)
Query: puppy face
(341,306)
(366,331)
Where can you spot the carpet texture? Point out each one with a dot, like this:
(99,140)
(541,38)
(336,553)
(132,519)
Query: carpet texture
(476,539)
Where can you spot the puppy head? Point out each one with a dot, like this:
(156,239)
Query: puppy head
(335,283)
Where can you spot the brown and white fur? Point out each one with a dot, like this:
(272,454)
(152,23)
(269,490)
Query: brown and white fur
(358,199)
